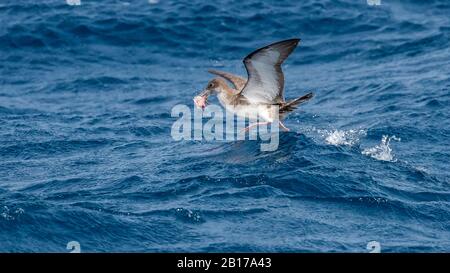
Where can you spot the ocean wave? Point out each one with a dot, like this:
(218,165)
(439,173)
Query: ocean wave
(86,151)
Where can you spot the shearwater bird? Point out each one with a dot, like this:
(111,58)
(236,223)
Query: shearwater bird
(256,96)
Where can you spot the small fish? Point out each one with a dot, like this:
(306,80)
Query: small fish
(201,101)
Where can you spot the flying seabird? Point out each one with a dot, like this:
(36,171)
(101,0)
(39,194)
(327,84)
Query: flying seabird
(255,97)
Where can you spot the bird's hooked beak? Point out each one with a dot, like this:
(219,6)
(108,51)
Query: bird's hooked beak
(201,99)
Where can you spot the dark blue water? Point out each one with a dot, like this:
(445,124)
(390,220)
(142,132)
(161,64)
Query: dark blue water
(86,154)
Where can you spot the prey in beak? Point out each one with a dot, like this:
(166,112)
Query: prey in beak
(215,87)
(201,100)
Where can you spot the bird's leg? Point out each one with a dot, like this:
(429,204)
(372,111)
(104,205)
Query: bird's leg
(286,129)
(246,129)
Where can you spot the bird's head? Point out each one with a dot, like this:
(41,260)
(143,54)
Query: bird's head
(214,86)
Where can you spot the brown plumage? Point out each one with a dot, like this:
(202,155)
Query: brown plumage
(264,86)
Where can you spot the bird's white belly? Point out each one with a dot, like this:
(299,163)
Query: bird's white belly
(252,112)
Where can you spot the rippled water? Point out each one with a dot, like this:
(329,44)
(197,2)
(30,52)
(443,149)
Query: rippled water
(86,154)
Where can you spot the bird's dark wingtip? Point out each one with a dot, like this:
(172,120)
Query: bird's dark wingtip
(293,40)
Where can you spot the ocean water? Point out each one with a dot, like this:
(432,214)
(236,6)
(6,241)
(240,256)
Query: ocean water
(86,154)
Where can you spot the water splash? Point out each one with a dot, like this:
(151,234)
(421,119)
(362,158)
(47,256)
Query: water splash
(8,214)
(343,137)
(188,215)
(382,151)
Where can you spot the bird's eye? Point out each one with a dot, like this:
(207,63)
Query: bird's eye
(210,85)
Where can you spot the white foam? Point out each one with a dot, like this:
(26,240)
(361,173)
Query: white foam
(343,137)
(382,151)
(8,214)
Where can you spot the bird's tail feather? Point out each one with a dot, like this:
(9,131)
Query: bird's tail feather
(293,104)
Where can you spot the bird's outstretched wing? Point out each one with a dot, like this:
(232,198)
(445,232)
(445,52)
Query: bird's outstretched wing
(265,78)
(237,81)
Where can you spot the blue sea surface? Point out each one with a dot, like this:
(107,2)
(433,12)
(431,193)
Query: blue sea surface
(86,152)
